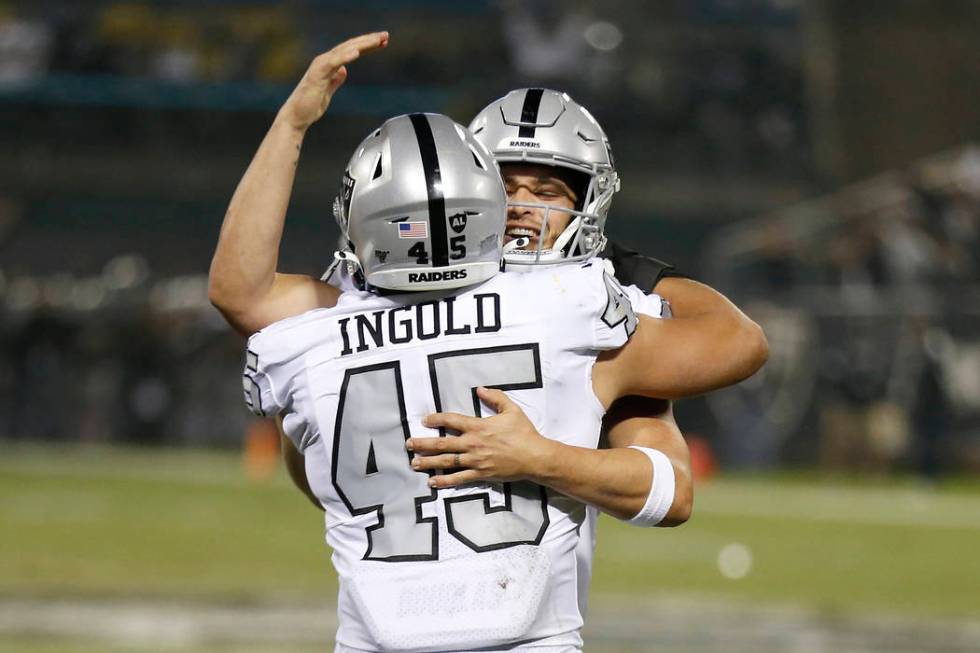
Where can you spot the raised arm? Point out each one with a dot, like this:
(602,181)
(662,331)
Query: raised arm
(244,284)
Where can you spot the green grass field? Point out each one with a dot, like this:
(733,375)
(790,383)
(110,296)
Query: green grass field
(97,523)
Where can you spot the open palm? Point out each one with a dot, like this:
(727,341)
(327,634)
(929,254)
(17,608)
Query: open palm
(328,71)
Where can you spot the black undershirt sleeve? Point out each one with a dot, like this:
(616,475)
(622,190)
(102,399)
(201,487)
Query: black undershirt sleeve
(633,268)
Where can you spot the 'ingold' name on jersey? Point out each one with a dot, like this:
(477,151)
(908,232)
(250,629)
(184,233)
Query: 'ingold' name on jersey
(423,321)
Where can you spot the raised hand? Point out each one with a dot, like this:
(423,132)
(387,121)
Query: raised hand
(328,71)
(502,447)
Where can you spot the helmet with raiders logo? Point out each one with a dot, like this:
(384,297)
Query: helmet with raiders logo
(422,206)
(545,127)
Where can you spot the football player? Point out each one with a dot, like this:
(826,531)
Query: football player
(436,325)
(252,295)
(560,178)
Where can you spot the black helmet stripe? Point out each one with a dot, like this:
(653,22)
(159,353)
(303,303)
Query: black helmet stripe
(433,186)
(529,112)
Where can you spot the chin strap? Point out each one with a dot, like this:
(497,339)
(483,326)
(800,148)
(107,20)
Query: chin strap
(564,238)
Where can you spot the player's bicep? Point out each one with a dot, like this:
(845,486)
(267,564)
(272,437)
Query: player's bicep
(662,359)
(742,348)
(689,298)
(289,295)
(295,294)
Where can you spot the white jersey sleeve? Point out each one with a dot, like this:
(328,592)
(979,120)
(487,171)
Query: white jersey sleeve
(271,366)
(605,305)
(617,321)
(649,304)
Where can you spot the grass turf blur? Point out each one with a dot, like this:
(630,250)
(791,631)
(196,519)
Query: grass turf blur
(188,525)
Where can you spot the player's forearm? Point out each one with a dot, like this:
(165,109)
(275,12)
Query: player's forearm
(507,447)
(741,347)
(243,269)
(638,421)
(616,481)
(666,359)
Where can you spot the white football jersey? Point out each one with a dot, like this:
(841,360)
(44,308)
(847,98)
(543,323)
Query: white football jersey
(487,565)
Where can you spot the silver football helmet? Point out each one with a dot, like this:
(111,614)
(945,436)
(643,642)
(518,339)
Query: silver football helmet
(541,126)
(422,206)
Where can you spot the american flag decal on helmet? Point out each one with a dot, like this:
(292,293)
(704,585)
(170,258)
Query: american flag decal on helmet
(413,230)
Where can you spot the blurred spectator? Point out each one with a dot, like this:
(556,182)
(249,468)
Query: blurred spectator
(887,269)
(43,393)
(546,40)
(25,47)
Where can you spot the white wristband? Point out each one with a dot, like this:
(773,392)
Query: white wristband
(661,496)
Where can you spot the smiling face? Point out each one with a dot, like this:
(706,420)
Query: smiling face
(539,184)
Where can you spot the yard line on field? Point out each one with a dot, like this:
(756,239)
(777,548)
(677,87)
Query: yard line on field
(841,505)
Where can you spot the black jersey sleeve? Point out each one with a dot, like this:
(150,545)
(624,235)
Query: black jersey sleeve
(635,269)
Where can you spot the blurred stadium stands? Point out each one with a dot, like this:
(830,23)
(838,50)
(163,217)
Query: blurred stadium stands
(124,127)
(870,300)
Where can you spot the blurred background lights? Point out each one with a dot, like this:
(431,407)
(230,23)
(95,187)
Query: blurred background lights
(125,271)
(603,36)
(735,561)
(24,294)
(88,295)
